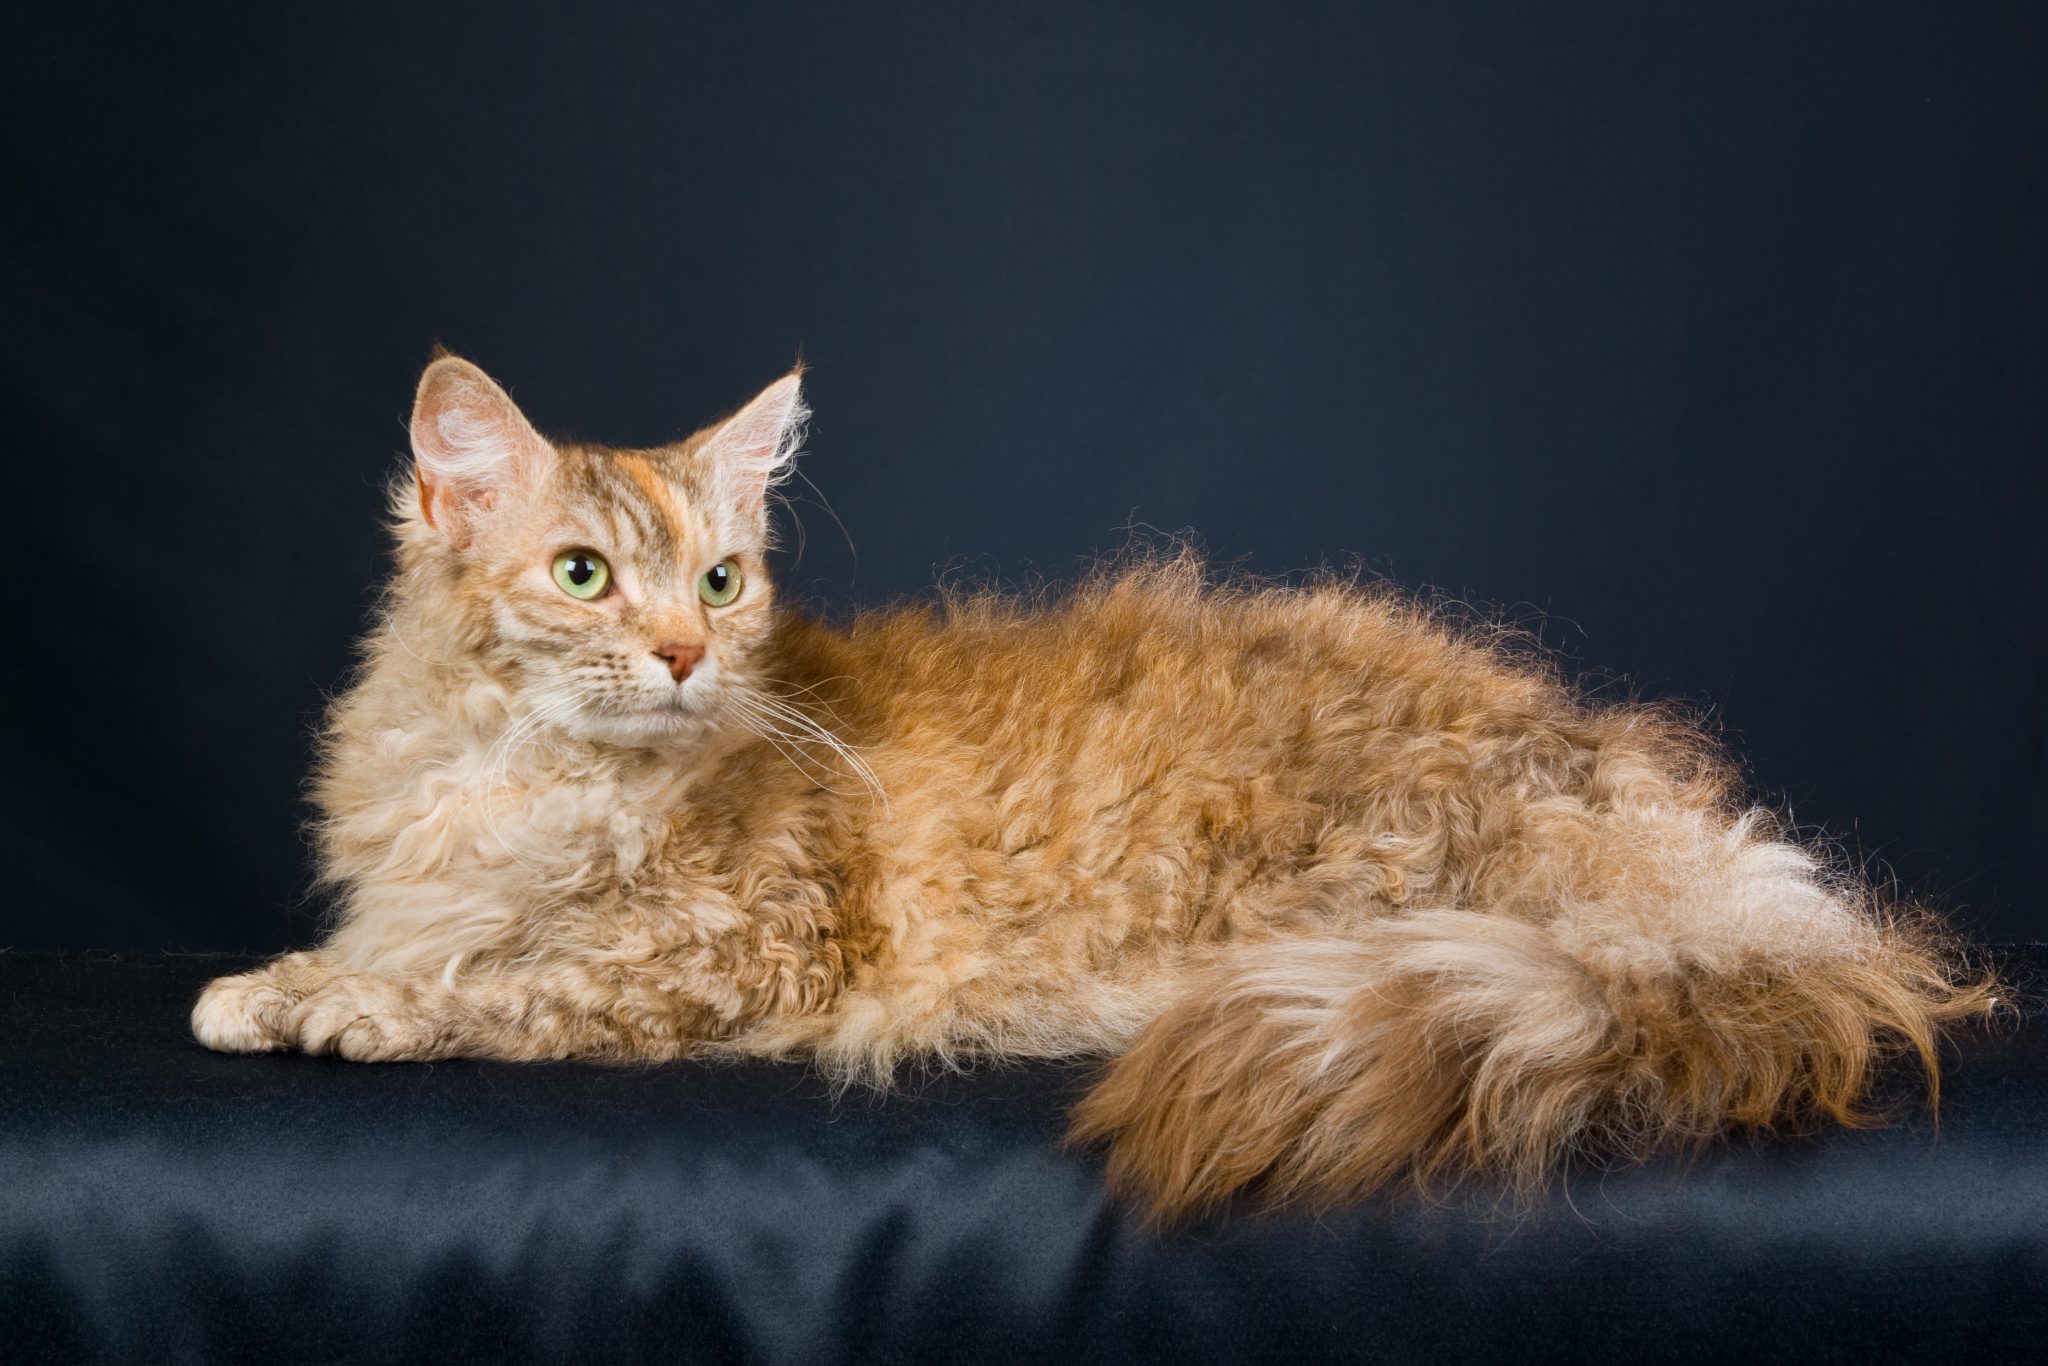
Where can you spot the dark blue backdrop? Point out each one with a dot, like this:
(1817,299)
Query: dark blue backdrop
(1709,337)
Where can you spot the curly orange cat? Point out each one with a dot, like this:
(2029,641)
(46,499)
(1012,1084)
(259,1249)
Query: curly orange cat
(1339,893)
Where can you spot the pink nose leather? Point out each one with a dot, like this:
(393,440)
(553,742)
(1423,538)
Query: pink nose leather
(679,658)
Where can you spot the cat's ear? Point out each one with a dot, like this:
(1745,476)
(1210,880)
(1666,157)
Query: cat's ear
(753,449)
(470,445)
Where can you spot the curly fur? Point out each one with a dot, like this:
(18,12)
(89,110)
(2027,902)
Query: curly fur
(1342,891)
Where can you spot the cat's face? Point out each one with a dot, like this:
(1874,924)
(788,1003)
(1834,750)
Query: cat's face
(618,594)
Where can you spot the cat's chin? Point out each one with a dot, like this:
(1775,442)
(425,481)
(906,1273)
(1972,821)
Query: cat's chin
(650,728)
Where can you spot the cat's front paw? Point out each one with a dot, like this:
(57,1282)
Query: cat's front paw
(362,1019)
(246,1013)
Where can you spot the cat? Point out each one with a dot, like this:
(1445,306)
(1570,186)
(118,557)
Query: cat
(1337,891)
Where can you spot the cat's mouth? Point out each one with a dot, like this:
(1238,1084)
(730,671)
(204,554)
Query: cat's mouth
(693,699)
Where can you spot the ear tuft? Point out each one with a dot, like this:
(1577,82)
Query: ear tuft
(470,444)
(755,448)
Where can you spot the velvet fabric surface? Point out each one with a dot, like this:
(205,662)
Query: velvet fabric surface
(161,1203)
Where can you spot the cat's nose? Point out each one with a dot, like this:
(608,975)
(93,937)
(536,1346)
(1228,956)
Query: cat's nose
(679,658)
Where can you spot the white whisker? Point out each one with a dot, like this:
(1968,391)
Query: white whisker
(782,744)
(809,725)
(799,687)
(775,720)
(790,748)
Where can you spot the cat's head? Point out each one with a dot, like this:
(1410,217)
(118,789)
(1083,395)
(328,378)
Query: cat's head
(616,593)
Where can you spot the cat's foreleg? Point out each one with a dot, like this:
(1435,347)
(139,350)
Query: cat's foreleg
(311,1002)
(250,1012)
(565,1012)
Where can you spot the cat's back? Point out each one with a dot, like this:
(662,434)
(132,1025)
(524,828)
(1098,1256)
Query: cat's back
(1160,663)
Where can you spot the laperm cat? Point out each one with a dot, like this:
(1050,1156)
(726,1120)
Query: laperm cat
(1340,893)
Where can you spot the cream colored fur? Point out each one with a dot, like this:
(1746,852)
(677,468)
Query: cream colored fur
(1339,892)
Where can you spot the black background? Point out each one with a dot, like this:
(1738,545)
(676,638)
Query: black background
(1709,340)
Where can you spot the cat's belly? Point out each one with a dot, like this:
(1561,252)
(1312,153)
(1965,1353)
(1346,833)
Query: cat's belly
(994,953)
(961,1008)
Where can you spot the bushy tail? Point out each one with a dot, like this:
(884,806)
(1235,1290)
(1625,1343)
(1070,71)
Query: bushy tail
(1446,1042)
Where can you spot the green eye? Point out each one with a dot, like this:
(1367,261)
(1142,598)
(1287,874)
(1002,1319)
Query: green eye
(581,574)
(720,584)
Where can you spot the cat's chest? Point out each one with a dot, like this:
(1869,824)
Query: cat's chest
(540,822)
